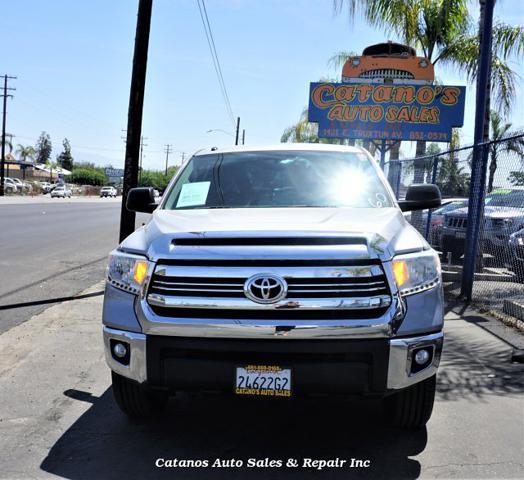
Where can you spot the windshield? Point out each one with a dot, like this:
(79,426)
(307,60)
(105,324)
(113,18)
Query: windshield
(450,207)
(278,179)
(506,198)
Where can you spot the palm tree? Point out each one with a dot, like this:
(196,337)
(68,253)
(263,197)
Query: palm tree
(305,132)
(499,131)
(25,152)
(444,31)
(302,131)
(9,142)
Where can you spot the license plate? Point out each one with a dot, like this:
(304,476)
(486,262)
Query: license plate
(263,381)
(460,235)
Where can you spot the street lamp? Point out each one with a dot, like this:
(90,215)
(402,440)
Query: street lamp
(220,130)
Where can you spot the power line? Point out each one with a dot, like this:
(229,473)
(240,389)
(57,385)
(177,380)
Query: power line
(214,55)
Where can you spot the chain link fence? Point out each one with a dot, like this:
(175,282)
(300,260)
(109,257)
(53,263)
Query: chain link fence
(499,268)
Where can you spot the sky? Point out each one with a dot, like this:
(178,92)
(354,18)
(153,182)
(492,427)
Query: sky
(73,62)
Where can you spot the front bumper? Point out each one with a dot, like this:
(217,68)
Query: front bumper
(358,366)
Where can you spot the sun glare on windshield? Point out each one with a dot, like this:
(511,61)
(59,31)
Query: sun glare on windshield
(350,186)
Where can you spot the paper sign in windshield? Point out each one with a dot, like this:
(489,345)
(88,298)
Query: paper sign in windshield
(193,194)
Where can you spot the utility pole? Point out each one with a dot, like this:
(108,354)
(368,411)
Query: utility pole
(183,155)
(479,162)
(238,130)
(168,151)
(4,116)
(142,145)
(135,111)
(244,136)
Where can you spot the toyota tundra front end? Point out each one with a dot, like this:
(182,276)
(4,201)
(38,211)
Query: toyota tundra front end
(276,272)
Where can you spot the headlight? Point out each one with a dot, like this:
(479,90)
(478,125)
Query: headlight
(127,271)
(416,272)
(516,238)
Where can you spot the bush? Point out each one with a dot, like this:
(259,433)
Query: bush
(158,180)
(87,176)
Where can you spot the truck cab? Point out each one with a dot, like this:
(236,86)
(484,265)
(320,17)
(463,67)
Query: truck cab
(276,272)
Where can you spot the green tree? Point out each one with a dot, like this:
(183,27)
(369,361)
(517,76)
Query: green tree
(516,179)
(88,176)
(305,132)
(43,148)
(443,29)
(51,166)
(452,180)
(65,159)
(9,142)
(302,131)
(500,130)
(25,152)
(156,179)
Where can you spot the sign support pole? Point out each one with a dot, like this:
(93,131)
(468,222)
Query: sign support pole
(382,154)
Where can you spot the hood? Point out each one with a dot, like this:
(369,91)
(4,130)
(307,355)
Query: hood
(490,212)
(385,231)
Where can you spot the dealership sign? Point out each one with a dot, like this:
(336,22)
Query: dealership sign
(114,172)
(386,112)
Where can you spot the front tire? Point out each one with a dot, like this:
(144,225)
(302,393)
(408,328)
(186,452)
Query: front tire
(137,401)
(412,407)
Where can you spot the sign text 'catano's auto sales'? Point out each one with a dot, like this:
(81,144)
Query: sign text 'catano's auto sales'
(401,112)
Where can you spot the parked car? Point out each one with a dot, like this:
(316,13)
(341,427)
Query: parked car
(503,215)
(45,187)
(437,219)
(10,186)
(108,192)
(516,254)
(61,191)
(291,273)
(23,187)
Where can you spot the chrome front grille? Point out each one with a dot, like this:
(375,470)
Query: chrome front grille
(457,222)
(313,287)
(196,286)
(182,287)
(387,73)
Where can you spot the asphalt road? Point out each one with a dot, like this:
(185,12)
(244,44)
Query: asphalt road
(52,249)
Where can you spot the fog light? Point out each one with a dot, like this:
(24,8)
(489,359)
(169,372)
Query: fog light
(120,350)
(421,357)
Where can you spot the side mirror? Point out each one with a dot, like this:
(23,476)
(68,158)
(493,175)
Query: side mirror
(141,199)
(421,197)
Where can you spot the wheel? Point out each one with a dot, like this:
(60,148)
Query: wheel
(137,401)
(412,407)
(456,253)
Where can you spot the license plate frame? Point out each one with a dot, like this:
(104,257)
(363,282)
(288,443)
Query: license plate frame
(267,381)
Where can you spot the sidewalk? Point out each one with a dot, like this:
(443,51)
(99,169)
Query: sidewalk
(58,417)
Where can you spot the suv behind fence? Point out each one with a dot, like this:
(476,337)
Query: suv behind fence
(499,270)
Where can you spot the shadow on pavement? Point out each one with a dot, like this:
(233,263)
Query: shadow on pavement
(103,443)
(472,369)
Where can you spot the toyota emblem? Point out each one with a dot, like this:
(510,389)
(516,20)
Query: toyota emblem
(265,288)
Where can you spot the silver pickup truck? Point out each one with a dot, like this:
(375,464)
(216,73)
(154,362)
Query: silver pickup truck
(276,272)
